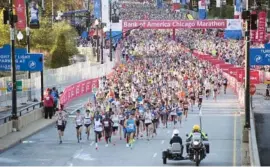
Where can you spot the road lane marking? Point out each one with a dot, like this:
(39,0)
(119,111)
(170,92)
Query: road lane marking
(234,139)
(92,143)
(154,156)
(162,142)
(70,164)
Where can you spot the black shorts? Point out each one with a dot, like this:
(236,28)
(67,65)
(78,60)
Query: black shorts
(61,127)
(200,100)
(192,98)
(122,122)
(78,127)
(155,120)
(115,128)
(207,91)
(87,125)
(185,109)
(215,90)
(147,124)
(224,84)
(137,122)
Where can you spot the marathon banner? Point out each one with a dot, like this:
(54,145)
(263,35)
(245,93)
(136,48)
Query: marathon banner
(254,76)
(261,31)
(78,89)
(20,11)
(171,24)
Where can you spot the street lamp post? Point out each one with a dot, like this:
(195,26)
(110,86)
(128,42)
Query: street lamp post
(101,46)
(28,45)
(97,23)
(13,64)
(104,31)
(110,3)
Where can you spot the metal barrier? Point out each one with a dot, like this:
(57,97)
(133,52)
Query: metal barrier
(58,78)
(21,112)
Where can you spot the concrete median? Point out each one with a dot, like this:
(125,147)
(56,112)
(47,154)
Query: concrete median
(253,147)
(5,128)
(29,118)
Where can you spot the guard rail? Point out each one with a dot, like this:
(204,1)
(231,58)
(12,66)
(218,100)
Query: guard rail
(21,112)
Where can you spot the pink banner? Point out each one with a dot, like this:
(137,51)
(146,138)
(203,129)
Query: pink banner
(20,11)
(170,24)
(261,26)
(78,89)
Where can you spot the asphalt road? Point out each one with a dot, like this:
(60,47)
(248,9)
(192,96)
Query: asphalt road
(221,120)
(262,124)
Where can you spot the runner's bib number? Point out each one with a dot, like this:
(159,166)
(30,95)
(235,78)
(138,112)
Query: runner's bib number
(131,126)
(60,122)
(106,123)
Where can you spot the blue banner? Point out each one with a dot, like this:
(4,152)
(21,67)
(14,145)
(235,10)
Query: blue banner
(116,36)
(24,61)
(97,9)
(159,4)
(202,14)
(183,2)
(238,5)
(260,56)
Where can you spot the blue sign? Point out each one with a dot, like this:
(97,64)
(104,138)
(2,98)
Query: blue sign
(97,9)
(24,61)
(159,3)
(260,56)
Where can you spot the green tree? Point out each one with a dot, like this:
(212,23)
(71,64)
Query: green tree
(59,54)
(42,38)
(70,35)
(4,31)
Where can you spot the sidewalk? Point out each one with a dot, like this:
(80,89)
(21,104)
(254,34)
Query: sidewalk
(16,137)
(262,116)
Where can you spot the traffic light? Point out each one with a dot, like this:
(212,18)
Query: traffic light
(253,21)
(5,16)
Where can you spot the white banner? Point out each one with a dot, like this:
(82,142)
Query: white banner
(105,12)
(175,1)
(218,3)
(117,26)
(234,24)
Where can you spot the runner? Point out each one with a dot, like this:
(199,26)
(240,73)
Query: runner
(148,121)
(108,125)
(61,124)
(87,123)
(98,128)
(79,123)
(131,129)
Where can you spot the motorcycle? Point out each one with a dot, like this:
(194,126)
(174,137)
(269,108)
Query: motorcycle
(197,149)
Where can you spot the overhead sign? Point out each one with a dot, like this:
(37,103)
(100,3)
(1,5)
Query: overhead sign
(260,56)
(170,24)
(24,61)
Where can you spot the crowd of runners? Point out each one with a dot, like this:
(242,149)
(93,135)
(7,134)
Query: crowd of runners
(158,85)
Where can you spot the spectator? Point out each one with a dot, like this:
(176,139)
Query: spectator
(48,104)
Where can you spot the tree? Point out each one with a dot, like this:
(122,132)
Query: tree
(42,38)
(4,31)
(59,54)
(70,33)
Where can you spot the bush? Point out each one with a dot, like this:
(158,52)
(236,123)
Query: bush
(59,54)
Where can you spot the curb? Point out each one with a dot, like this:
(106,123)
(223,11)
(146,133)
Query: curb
(21,139)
